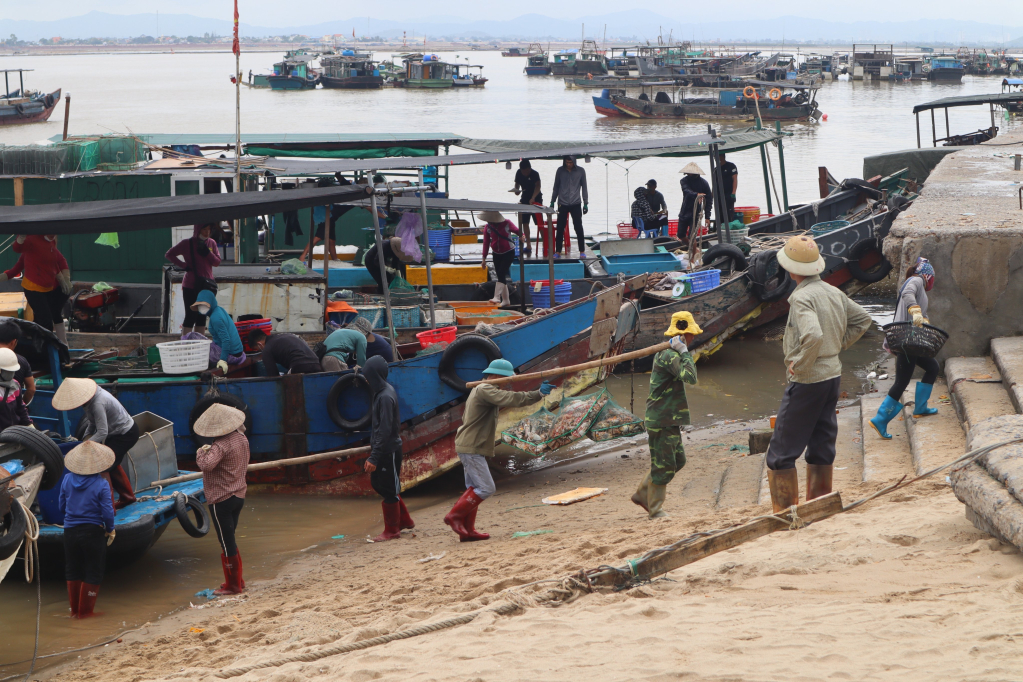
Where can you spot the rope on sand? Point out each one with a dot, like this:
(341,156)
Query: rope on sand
(308,657)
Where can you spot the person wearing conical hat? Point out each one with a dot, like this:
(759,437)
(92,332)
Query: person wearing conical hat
(823,321)
(87,507)
(693,185)
(104,421)
(497,240)
(667,411)
(223,464)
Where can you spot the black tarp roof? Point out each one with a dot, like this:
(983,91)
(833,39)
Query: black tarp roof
(970,100)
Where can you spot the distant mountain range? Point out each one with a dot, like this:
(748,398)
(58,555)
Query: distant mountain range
(632,25)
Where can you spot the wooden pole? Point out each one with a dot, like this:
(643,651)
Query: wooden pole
(326,263)
(423,214)
(276,464)
(558,371)
(67,112)
(385,284)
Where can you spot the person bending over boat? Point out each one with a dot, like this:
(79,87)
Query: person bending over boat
(104,421)
(284,350)
(46,280)
(394,261)
(85,504)
(197,255)
(10,334)
(912,306)
(474,443)
(226,340)
(12,407)
(573,199)
(693,186)
(223,464)
(496,238)
(378,345)
(384,463)
(347,347)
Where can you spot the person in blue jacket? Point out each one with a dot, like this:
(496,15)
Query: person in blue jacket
(221,327)
(88,510)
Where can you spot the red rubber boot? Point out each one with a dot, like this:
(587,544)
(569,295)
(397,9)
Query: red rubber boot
(232,575)
(470,526)
(87,600)
(406,522)
(459,514)
(392,519)
(119,482)
(74,595)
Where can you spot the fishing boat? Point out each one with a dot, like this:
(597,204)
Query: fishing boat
(587,59)
(25,106)
(536,62)
(429,72)
(522,52)
(767,100)
(945,69)
(258,80)
(348,71)
(1013,85)
(14,521)
(469,76)
(295,73)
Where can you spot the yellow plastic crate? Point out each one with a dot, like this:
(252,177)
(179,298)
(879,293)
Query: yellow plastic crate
(447,274)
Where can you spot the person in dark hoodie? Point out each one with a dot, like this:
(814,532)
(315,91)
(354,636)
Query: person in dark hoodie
(384,463)
(12,407)
(221,327)
(197,255)
(88,512)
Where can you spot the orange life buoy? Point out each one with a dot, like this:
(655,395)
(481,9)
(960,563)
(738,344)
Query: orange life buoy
(750,92)
(775,94)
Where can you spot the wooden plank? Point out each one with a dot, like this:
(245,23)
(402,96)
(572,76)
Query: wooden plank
(659,564)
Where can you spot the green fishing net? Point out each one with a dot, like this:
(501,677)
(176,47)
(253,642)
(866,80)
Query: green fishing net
(545,431)
(614,421)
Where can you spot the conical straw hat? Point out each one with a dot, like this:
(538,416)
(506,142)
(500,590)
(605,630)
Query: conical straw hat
(692,169)
(73,393)
(89,457)
(218,420)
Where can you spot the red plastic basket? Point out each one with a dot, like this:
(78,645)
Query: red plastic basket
(266,324)
(428,338)
(627,231)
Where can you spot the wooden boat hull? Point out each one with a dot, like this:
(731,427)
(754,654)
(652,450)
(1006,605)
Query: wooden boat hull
(429,83)
(29,113)
(578,68)
(292,83)
(538,70)
(638,108)
(946,75)
(352,82)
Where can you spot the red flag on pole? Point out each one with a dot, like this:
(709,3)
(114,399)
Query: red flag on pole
(234,47)
(353,31)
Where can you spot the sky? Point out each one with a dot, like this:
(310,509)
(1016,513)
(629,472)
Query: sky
(275,13)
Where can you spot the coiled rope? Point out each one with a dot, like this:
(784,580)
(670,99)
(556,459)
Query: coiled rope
(32,571)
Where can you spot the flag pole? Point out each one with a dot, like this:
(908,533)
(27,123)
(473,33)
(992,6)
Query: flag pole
(237,132)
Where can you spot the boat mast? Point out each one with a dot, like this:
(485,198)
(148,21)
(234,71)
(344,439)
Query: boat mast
(238,133)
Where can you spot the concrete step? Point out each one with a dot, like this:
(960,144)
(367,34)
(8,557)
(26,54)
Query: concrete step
(1007,352)
(740,485)
(977,390)
(937,439)
(883,460)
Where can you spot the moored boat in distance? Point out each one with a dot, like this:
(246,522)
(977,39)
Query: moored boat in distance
(945,69)
(587,59)
(349,71)
(519,52)
(295,73)
(766,100)
(469,76)
(428,71)
(21,106)
(536,63)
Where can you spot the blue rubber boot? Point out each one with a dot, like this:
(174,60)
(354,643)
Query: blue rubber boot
(889,408)
(923,394)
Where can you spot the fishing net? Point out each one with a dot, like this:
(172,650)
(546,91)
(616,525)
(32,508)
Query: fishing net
(531,434)
(545,431)
(614,421)
(400,284)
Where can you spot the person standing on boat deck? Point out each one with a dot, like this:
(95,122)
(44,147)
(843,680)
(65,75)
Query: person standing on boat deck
(84,502)
(347,347)
(225,334)
(287,350)
(527,186)
(693,186)
(384,463)
(198,255)
(912,306)
(658,206)
(496,237)
(10,334)
(12,408)
(730,177)
(320,220)
(573,198)
(46,280)
(822,322)
(667,411)
(105,421)
(223,464)
(474,443)
(394,261)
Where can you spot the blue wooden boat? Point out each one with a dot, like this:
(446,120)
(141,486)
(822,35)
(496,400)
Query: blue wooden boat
(294,74)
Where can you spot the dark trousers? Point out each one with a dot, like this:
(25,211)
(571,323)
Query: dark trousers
(385,479)
(806,421)
(192,318)
(576,211)
(502,265)
(47,306)
(225,515)
(85,553)
(904,366)
(730,207)
(121,443)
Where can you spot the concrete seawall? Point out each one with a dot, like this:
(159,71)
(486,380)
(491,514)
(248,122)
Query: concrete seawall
(968,223)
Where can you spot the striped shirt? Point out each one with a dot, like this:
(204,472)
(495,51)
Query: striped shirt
(223,465)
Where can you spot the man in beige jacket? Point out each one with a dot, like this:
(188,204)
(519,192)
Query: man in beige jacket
(822,322)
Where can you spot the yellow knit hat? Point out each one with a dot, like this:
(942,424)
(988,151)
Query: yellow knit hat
(690,326)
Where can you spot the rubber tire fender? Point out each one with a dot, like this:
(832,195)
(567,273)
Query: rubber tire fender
(729,251)
(44,450)
(760,266)
(16,524)
(343,383)
(446,368)
(204,403)
(678,110)
(858,251)
(184,503)
(648,109)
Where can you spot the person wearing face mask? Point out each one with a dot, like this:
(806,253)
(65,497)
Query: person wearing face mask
(221,327)
(197,255)
(12,407)
(46,280)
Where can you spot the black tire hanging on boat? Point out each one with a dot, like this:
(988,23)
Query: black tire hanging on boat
(446,368)
(857,252)
(678,110)
(762,278)
(342,385)
(729,252)
(184,503)
(15,523)
(648,109)
(204,403)
(44,451)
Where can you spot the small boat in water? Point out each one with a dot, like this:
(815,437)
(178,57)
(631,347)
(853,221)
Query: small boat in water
(537,65)
(25,106)
(295,73)
(469,76)
(349,71)
(587,59)
(944,69)
(522,52)
(767,100)
(428,72)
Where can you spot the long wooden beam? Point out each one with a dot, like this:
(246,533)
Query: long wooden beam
(275,464)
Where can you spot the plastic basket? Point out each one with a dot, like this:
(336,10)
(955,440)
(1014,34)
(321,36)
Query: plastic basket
(750,214)
(921,342)
(440,243)
(704,280)
(830,226)
(627,231)
(542,297)
(184,357)
(265,324)
(444,334)
(373,313)
(405,316)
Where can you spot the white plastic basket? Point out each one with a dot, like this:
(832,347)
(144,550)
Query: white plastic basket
(184,357)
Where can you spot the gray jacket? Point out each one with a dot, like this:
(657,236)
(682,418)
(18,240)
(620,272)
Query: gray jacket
(914,292)
(568,185)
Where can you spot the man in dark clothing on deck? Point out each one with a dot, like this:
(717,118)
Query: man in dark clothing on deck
(693,185)
(286,350)
(573,198)
(527,186)
(379,346)
(730,178)
(658,206)
(384,463)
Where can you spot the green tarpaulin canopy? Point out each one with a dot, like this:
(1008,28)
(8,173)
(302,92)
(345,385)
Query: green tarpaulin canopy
(383,153)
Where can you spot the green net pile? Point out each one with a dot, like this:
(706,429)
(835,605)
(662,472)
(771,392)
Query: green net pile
(545,431)
(614,421)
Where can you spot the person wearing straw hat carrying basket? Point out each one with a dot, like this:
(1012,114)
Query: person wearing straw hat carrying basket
(496,239)
(104,421)
(823,321)
(86,505)
(223,464)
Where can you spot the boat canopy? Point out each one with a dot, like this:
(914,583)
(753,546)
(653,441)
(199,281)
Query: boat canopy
(467,205)
(784,85)
(969,101)
(1012,81)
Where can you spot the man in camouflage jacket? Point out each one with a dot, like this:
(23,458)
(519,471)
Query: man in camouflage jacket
(667,410)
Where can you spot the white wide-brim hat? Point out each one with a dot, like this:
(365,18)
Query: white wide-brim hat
(73,392)
(218,420)
(801,256)
(89,457)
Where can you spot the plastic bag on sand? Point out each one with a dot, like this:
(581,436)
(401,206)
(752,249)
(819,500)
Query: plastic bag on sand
(545,431)
(294,266)
(614,421)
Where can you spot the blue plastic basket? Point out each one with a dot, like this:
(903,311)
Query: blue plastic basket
(406,316)
(542,298)
(704,280)
(830,226)
(440,242)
